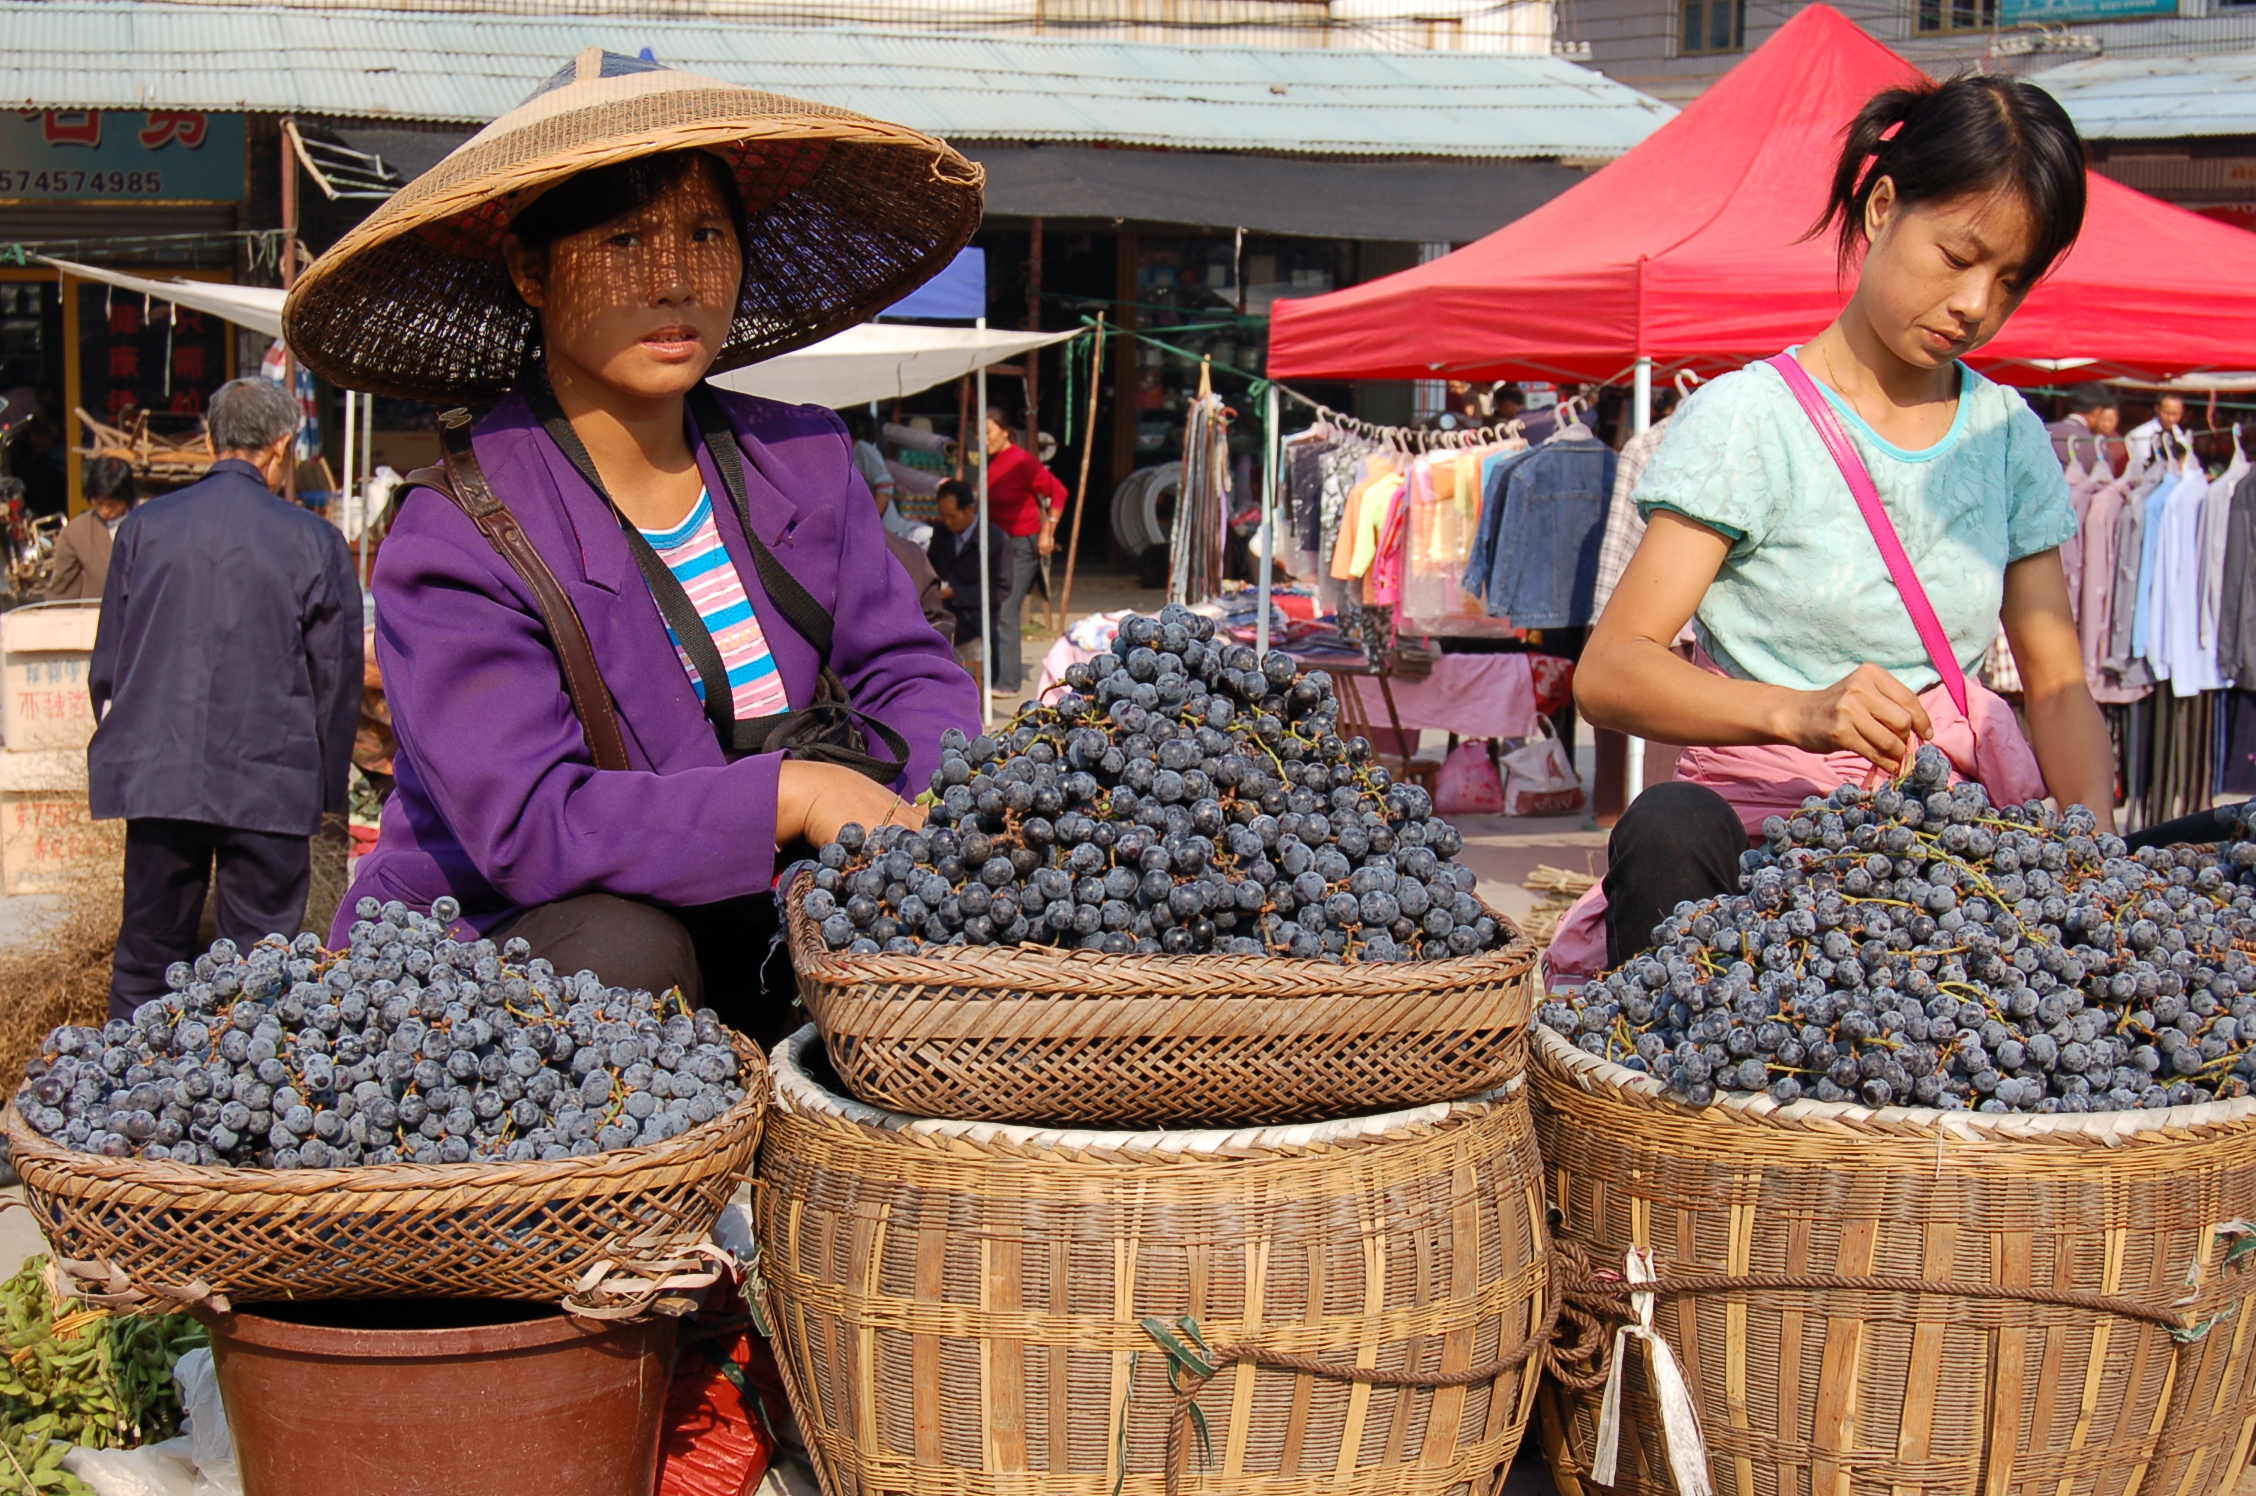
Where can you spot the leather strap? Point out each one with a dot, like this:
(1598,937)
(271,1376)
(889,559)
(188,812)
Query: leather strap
(464,481)
(1867,496)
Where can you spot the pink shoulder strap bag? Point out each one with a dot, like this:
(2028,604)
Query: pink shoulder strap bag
(1867,496)
(1998,756)
(1973,724)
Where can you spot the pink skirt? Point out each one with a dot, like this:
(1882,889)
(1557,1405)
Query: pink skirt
(1984,744)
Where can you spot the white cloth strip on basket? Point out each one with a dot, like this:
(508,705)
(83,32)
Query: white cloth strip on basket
(1680,1420)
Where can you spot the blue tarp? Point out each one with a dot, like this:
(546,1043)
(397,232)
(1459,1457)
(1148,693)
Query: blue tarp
(956,294)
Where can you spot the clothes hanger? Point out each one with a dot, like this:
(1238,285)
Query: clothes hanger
(1571,427)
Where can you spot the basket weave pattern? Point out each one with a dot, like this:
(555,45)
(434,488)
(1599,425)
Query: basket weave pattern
(506,1231)
(957,1305)
(1828,1392)
(1038,1035)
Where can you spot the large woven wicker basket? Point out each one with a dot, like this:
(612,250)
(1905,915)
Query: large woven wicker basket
(600,1233)
(1039,1036)
(1839,1391)
(960,1307)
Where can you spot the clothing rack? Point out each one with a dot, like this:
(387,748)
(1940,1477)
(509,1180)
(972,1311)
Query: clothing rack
(1414,439)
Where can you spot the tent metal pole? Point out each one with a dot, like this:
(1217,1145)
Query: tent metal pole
(352,434)
(367,476)
(1265,552)
(988,624)
(1641,418)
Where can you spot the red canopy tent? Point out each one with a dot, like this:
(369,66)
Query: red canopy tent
(1688,251)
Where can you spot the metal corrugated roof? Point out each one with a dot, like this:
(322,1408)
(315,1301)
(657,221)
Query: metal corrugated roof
(469,68)
(2148,98)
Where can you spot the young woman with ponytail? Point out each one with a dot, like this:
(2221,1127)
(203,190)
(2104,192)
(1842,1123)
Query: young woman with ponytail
(1822,658)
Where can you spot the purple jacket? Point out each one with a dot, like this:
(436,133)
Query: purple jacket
(498,802)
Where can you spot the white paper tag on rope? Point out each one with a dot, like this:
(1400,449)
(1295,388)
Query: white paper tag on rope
(1680,1420)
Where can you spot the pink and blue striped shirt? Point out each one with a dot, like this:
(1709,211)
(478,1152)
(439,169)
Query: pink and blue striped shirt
(693,552)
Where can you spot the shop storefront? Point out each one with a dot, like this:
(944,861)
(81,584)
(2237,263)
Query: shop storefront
(160,188)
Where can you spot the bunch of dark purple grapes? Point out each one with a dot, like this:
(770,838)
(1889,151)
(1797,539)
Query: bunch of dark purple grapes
(1918,946)
(411,1046)
(1180,795)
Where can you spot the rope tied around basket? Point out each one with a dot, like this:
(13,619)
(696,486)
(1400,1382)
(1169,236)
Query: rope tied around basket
(1592,1299)
(1628,1299)
(101,1281)
(611,1290)
(1192,1362)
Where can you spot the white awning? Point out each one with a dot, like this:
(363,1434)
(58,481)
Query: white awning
(256,307)
(880,361)
(876,361)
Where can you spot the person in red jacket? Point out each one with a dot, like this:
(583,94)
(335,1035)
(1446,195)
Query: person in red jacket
(1023,501)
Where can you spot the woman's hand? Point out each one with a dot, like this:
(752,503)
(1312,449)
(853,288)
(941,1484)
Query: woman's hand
(1867,712)
(814,800)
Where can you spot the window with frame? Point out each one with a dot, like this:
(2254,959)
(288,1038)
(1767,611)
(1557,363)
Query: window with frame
(1940,17)
(1712,26)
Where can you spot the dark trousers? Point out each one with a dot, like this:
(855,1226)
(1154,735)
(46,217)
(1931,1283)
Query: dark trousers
(723,956)
(1008,667)
(169,866)
(1682,841)
(1676,841)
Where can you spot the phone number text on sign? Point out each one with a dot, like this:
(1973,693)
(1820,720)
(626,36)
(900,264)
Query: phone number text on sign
(110,155)
(82,183)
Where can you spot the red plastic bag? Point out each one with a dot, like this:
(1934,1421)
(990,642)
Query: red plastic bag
(716,1441)
(1553,678)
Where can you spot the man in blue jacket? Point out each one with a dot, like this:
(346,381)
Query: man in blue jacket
(226,681)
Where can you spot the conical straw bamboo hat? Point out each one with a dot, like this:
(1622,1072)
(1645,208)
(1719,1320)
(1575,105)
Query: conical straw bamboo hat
(844,215)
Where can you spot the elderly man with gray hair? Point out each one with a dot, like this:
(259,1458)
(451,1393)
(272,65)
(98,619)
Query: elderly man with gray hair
(226,682)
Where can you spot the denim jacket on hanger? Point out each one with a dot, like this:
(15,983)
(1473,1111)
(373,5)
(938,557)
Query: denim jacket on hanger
(1543,519)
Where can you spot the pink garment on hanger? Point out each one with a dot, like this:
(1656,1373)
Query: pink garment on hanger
(1383,585)
(2083,484)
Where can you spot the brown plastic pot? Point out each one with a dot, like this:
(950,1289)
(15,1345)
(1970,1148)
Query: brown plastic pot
(437,1397)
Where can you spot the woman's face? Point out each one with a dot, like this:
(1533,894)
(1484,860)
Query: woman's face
(1941,278)
(643,303)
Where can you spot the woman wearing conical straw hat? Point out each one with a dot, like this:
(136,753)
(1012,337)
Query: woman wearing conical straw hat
(604,744)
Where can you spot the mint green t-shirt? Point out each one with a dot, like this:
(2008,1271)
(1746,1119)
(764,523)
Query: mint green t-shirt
(1803,597)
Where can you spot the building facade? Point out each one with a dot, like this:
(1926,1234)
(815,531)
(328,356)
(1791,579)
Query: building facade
(1393,25)
(1673,49)
(1178,188)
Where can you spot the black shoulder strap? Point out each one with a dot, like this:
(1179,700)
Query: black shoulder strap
(808,617)
(680,613)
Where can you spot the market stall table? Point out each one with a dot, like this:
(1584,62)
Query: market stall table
(1471,695)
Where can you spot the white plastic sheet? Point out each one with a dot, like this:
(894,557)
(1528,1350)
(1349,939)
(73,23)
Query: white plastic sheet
(200,1462)
(256,307)
(881,361)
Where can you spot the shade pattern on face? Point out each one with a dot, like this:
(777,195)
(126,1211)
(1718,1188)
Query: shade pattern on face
(844,215)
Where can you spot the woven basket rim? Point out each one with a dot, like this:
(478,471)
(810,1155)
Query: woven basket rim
(1554,1053)
(24,1142)
(1011,968)
(799,1094)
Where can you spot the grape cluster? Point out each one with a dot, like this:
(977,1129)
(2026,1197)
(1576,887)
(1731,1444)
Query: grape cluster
(1179,795)
(410,1047)
(1917,946)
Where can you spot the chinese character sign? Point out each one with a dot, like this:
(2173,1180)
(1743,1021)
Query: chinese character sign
(2058,12)
(121,155)
(137,354)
